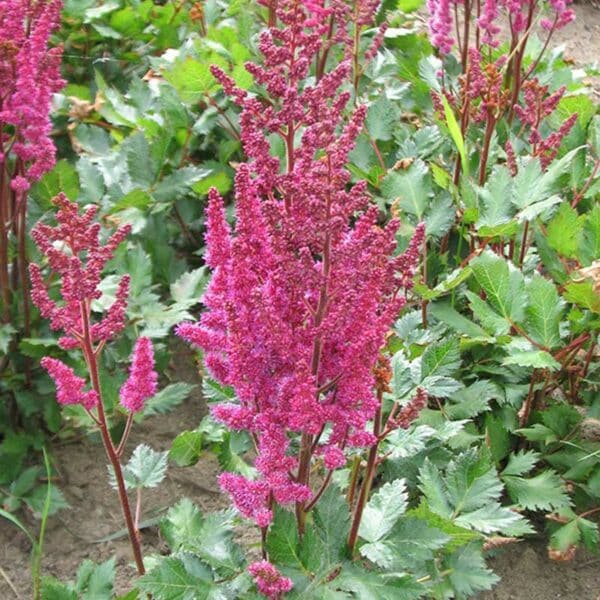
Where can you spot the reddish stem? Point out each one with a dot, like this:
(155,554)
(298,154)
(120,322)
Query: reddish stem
(111,452)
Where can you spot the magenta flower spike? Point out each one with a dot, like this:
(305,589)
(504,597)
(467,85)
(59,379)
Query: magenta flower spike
(306,283)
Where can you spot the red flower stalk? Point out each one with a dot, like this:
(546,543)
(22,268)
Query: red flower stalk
(307,283)
(76,255)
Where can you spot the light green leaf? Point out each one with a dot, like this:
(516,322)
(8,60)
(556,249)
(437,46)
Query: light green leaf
(146,468)
(544,312)
(504,287)
(168,398)
(538,359)
(383,510)
(545,491)
(186,448)
(441,358)
(564,231)
(171,581)
(520,463)
(412,187)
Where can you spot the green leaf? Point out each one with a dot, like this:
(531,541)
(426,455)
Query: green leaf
(504,287)
(382,119)
(411,542)
(139,164)
(491,320)
(6,333)
(583,294)
(53,589)
(564,231)
(520,463)
(366,585)
(170,580)
(168,398)
(383,510)
(544,312)
(589,247)
(62,178)
(186,448)
(545,491)
(566,536)
(146,468)
(444,312)
(538,359)
(412,187)
(495,210)
(189,287)
(95,582)
(332,521)
(191,78)
(468,572)
(441,358)
(209,537)
(283,541)
(455,134)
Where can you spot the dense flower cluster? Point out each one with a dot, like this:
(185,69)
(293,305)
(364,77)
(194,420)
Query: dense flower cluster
(269,581)
(29,75)
(75,253)
(142,381)
(307,284)
(69,387)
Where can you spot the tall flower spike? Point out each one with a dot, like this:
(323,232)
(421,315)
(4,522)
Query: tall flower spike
(306,284)
(142,382)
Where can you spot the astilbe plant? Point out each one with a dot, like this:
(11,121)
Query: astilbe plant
(29,75)
(307,283)
(76,257)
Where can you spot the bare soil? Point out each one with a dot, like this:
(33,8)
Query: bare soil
(94,513)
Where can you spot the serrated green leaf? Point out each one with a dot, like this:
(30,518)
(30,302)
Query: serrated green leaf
(366,585)
(441,358)
(191,78)
(53,589)
(186,448)
(146,468)
(468,572)
(383,510)
(171,581)
(564,231)
(583,294)
(332,521)
(544,491)
(544,312)
(168,398)
(537,359)
(589,247)
(282,540)
(189,287)
(504,287)
(411,543)
(412,187)
(521,463)
(95,582)
(382,119)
